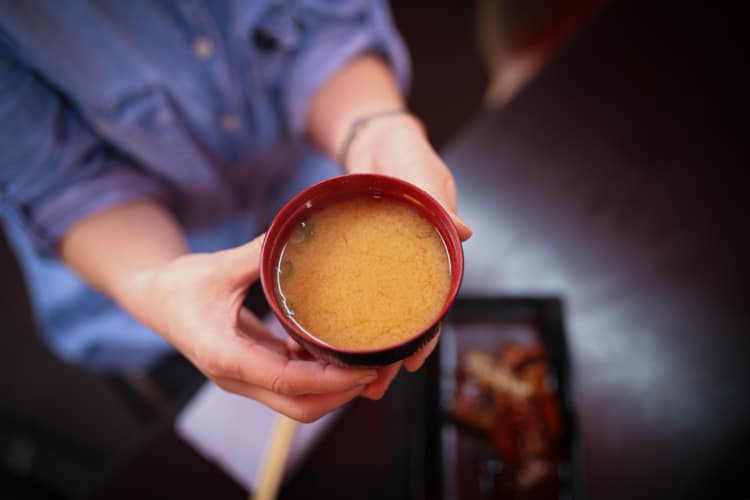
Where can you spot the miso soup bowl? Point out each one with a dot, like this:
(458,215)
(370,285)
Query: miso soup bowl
(339,189)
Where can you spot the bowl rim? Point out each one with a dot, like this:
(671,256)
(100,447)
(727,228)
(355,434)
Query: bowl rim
(290,208)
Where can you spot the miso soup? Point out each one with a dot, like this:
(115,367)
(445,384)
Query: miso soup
(363,273)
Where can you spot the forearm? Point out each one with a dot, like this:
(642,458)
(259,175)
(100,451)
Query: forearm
(366,85)
(112,250)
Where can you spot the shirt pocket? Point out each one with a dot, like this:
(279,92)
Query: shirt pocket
(282,30)
(136,118)
(145,125)
(147,109)
(348,10)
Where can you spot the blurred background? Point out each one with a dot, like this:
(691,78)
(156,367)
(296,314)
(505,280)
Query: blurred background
(599,151)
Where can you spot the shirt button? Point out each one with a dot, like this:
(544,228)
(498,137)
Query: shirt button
(229,122)
(99,128)
(203,48)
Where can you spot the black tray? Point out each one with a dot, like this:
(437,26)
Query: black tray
(506,318)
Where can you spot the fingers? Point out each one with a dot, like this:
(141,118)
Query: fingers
(296,351)
(449,204)
(253,330)
(293,346)
(253,363)
(306,408)
(416,360)
(445,194)
(464,231)
(248,321)
(377,389)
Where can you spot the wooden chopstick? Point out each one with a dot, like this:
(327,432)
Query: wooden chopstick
(277,450)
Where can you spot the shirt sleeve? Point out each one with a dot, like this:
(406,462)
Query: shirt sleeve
(335,32)
(54,170)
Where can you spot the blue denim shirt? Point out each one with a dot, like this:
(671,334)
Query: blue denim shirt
(200,104)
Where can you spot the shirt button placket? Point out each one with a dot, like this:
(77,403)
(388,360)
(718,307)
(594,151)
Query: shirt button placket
(204,49)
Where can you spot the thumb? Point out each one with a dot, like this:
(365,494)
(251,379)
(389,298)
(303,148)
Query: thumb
(242,262)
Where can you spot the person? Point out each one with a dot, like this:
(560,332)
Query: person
(143,143)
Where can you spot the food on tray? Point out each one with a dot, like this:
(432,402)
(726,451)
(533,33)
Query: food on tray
(509,397)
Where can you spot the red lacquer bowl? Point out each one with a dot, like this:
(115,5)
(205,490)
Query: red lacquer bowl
(344,188)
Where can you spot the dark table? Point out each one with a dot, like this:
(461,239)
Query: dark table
(615,182)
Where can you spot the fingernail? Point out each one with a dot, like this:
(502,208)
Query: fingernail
(366,380)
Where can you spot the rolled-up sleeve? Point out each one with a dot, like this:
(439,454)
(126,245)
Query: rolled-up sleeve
(334,33)
(54,170)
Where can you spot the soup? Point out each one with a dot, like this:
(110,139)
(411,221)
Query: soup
(363,273)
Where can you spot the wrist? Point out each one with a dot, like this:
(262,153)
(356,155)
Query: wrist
(369,147)
(132,292)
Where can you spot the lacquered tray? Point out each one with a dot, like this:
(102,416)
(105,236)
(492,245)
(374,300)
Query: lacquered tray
(480,445)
